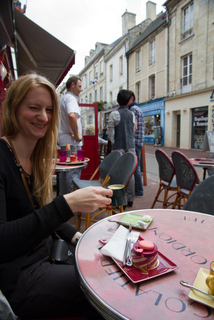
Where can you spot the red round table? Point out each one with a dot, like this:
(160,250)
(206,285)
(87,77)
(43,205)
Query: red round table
(204,163)
(185,238)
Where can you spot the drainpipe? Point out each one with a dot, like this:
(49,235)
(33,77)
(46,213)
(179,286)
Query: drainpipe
(167,72)
(127,71)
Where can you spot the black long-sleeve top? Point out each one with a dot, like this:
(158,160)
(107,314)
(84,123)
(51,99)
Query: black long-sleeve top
(22,230)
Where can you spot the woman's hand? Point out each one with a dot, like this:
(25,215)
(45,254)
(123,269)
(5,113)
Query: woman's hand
(88,199)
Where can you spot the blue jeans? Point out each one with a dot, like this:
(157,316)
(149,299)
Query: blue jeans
(137,174)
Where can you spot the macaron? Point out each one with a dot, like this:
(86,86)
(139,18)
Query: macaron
(146,245)
(147,218)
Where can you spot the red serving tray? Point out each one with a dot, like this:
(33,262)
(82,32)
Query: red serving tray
(135,275)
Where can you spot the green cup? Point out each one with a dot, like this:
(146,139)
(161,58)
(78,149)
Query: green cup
(118,198)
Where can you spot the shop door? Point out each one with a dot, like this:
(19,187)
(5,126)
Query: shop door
(89,118)
(178,131)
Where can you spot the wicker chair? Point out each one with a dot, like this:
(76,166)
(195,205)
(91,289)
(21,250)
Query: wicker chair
(166,175)
(202,198)
(120,173)
(186,177)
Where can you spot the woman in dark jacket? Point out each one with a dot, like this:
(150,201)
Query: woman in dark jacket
(34,286)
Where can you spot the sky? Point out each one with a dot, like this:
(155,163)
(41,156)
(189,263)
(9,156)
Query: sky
(81,23)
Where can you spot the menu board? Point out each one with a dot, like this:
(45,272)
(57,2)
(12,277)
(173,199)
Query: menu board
(208,144)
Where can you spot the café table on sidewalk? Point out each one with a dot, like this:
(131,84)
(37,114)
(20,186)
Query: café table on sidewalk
(68,167)
(204,163)
(184,239)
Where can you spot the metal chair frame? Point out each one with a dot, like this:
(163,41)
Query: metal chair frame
(166,175)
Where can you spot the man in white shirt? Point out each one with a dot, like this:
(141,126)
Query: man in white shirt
(70,129)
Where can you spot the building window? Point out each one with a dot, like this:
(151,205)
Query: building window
(138,62)
(95,71)
(187,21)
(90,98)
(101,93)
(152,87)
(85,81)
(95,95)
(186,74)
(138,92)
(90,119)
(110,96)
(111,73)
(121,65)
(152,52)
(101,67)
(90,77)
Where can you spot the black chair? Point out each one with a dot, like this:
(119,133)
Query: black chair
(120,173)
(166,175)
(202,198)
(210,171)
(103,170)
(186,177)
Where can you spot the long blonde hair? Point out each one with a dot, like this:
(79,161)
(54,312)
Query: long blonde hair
(45,152)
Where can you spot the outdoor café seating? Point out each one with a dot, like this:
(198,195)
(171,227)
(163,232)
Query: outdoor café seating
(166,175)
(186,177)
(120,173)
(202,198)
(102,170)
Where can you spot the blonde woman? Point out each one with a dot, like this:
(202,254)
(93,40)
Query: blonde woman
(34,286)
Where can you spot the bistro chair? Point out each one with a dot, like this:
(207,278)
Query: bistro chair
(202,198)
(120,173)
(102,169)
(210,171)
(166,175)
(186,177)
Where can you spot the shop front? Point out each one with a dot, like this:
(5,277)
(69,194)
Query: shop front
(154,119)
(199,126)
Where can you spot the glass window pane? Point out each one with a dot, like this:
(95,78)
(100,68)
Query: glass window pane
(88,120)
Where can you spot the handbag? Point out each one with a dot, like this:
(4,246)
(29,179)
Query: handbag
(61,251)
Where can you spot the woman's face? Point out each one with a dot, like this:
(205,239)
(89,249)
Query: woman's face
(35,112)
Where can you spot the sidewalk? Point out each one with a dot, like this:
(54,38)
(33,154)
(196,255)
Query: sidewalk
(151,188)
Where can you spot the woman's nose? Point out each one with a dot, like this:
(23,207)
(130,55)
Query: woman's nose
(43,115)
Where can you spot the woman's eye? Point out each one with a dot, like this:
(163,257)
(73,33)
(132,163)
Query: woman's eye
(49,110)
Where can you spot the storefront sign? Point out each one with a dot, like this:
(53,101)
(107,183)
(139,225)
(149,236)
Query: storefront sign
(208,144)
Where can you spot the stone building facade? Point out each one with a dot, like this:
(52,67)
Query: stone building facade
(189,107)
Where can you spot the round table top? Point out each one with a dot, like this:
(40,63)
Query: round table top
(184,238)
(202,162)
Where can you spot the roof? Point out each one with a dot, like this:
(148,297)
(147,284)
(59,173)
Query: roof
(160,20)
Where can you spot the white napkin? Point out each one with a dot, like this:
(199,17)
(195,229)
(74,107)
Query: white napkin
(116,246)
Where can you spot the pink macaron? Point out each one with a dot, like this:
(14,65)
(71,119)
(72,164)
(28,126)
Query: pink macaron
(146,245)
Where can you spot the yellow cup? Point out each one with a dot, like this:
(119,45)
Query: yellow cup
(210,279)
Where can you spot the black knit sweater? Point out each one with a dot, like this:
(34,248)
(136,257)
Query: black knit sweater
(22,229)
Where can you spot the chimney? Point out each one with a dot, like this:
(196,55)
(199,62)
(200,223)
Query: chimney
(151,10)
(128,21)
